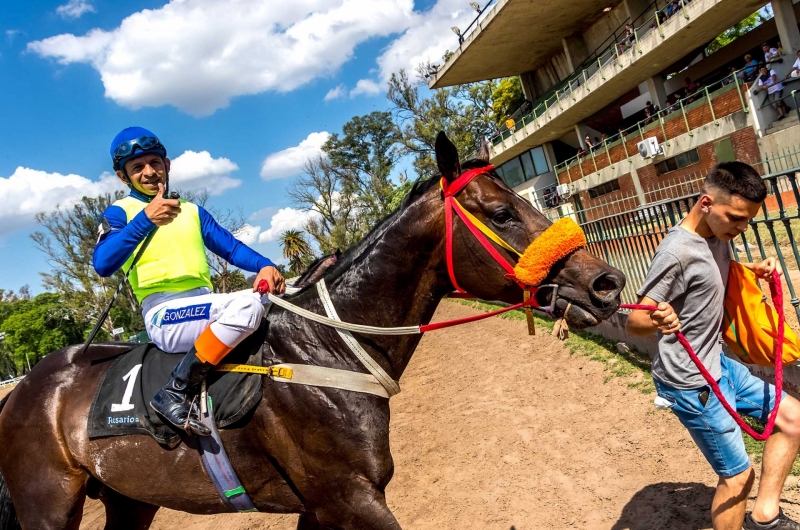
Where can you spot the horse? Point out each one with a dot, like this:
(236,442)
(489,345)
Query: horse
(318,452)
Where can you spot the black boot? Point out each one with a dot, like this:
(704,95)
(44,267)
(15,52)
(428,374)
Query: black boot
(174,401)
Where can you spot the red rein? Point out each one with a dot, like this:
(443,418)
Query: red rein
(777,299)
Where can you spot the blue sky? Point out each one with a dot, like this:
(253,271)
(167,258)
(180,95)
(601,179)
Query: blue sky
(239,91)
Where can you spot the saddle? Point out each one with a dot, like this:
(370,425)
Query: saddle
(121,404)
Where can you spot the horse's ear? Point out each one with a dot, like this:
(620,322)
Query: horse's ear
(483,151)
(447,157)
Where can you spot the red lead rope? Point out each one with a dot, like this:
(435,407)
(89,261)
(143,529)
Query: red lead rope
(777,299)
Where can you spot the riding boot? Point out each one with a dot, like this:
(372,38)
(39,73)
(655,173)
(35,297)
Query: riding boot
(174,401)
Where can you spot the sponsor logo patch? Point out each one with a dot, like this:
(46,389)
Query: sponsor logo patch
(166,317)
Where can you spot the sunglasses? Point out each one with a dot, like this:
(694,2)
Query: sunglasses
(145,143)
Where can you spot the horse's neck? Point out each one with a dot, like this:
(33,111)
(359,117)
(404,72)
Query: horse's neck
(397,281)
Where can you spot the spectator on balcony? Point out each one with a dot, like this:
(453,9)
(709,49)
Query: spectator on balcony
(596,144)
(750,71)
(588,141)
(768,79)
(728,79)
(796,67)
(670,10)
(603,139)
(770,53)
(581,152)
(677,6)
(690,86)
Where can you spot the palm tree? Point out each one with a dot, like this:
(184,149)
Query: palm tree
(296,249)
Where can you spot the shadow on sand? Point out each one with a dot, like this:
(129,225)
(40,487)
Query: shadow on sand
(668,505)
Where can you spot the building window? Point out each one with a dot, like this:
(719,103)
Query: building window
(512,172)
(602,189)
(527,166)
(676,162)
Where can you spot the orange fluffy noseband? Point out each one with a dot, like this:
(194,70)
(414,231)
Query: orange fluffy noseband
(561,239)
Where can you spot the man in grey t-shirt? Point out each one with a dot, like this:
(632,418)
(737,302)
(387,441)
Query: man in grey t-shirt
(686,281)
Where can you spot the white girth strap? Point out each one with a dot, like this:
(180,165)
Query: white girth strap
(389,384)
(304,374)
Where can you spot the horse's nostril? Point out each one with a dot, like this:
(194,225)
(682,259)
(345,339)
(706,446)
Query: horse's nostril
(606,286)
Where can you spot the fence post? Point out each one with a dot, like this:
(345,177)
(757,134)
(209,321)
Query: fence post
(639,126)
(663,129)
(608,154)
(683,9)
(585,86)
(625,145)
(658,23)
(638,46)
(710,106)
(594,161)
(685,119)
(739,91)
(600,69)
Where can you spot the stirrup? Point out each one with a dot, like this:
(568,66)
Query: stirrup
(194,425)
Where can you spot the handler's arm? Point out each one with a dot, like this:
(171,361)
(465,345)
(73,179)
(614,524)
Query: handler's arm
(643,322)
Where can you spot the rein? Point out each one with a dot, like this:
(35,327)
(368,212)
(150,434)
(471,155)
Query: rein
(777,299)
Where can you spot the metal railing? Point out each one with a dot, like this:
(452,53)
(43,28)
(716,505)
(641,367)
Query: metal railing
(578,78)
(9,382)
(705,95)
(628,240)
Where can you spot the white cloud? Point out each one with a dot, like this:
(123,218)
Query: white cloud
(29,191)
(263,213)
(289,162)
(75,9)
(198,54)
(367,87)
(426,39)
(285,219)
(199,171)
(335,93)
(248,234)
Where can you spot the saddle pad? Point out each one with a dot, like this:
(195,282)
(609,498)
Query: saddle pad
(121,403)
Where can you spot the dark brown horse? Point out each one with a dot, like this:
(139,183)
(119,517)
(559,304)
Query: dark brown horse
(318,452)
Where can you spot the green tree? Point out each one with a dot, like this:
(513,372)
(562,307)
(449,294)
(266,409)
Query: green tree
(363,158)
(68,238)
(507,97)
(39,326)
(734,32)
(233,280)
(297,250)
(464,112)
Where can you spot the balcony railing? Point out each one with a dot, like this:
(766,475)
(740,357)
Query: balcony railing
(602,156)
(612,53)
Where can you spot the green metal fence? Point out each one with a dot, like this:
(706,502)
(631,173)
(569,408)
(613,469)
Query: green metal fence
(629,240)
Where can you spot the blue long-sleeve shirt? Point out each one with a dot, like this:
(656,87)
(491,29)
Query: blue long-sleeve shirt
(119,238)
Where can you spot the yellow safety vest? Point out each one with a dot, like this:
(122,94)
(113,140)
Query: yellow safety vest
(175,260)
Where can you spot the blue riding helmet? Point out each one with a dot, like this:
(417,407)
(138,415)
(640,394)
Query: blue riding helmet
(132,142)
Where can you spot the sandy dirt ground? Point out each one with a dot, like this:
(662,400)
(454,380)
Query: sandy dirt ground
(496,429)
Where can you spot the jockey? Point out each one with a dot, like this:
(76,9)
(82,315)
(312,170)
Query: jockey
(171,280)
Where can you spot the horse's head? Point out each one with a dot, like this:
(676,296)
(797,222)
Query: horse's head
(587,285)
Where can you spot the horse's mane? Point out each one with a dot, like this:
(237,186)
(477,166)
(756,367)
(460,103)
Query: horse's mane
(419,189)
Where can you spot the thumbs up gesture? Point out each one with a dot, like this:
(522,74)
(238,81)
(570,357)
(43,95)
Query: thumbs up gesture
(162,211)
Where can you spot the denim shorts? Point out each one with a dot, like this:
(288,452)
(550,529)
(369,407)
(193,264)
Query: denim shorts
(714,431)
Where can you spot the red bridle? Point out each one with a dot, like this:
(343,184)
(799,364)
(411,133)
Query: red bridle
(450,190)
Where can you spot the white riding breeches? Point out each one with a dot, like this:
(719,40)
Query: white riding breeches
(174,321)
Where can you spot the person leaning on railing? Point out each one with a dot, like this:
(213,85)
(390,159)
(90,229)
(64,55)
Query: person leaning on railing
(768,79)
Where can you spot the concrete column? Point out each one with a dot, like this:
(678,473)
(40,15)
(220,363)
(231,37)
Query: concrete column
(786,22)
(638,186)
(658,94)
(581,131)
(575,50)
(528,88)
(637,7)
(549,155)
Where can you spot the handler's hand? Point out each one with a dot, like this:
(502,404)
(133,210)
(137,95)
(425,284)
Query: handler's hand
(764,268)
(665,319)
(274,279)
(162,211)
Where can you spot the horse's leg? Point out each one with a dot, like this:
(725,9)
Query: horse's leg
(51,500)
(124,513)
(364,509)
(308,522)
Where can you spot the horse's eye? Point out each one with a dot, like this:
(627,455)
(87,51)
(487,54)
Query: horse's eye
(502,216)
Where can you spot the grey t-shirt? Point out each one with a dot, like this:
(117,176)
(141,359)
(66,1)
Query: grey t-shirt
(690,273)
